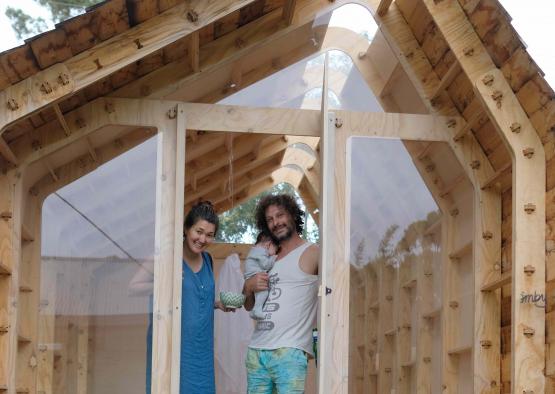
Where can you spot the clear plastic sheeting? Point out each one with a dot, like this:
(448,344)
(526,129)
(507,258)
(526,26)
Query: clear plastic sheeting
(232,333)
(97,233)
(395,243)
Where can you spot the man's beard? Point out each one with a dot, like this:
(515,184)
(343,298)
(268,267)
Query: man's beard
(284,236)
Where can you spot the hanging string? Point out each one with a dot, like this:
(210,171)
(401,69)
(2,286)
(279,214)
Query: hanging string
(230,185)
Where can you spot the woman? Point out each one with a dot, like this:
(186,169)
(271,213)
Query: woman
(198,303)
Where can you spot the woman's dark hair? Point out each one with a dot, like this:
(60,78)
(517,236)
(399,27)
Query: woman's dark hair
(203,210)
(285,201)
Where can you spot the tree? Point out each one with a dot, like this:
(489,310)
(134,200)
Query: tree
(239,225)
(25,25)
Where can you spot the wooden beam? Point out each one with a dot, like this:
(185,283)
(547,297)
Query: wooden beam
(194,50)
(383,7)
(61,119)
(6,152)
(449,76)
(289,11)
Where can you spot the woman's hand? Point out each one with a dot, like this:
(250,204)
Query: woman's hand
(257,282)
(218,305)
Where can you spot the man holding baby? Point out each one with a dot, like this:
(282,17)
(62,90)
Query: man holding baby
(282,339)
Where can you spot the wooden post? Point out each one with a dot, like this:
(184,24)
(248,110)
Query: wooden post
(47,311)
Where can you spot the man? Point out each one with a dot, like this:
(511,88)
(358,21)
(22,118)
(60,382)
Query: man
(281,342)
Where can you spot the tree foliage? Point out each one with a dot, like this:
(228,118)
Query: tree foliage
(26,26)
(239,225)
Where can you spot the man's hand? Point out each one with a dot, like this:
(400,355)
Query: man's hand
(257,282)
(222,307)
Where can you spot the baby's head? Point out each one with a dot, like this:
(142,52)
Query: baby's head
(265,241)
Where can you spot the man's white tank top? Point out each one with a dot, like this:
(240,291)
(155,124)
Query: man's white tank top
(290,308)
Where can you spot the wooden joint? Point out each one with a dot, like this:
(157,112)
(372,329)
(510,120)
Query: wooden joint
(529,208)
(172,113)
(63,79)
(6,215)
(468,51)
(529,270)
(451,123)
(488,80)
(528,332)
(338,123)
(192,16)
(487,235)
(454,212)
(12,104)
(515,127)
(45,87)
(427,359)
(475,164)
(453,304)
(485,343)
(138,43)
(528,152)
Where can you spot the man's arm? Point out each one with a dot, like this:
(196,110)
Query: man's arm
(257,282)
(309,260)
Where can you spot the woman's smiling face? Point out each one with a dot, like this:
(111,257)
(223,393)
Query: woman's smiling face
(199,236)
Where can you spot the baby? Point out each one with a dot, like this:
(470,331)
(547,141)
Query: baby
(261,258)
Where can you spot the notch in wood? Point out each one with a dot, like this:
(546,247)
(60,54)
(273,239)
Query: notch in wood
(453,304)
(138,43)
(485,343)
(6,215)
(12,104)
(488,80)
(528,152)
(529,208)
(515,127)
(528,332)
(192,16)
(475,164)
(529,269)
(427,359)
(487,235)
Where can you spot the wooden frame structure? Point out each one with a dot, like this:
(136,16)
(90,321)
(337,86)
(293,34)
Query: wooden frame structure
(494,122)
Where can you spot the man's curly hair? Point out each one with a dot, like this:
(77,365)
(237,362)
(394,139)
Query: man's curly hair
(286,201)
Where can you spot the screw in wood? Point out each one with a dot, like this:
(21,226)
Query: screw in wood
(172,113)
(515,127)
(63,79)
(451,123)
(453,304)
(497,96)
(138,43)
(36,145)
(528,152)
(430,167)
(488,80)
(475,164)
(12,104)
(454,212)
(6,215)
(387,370)
(427,359)
(529,208)
(109,107)
(487,235)
(485,343)
(338,122)
(528,332)
(192,16)
(80,122)
(42,348)
(45,87)
(529,270)
(468,51)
